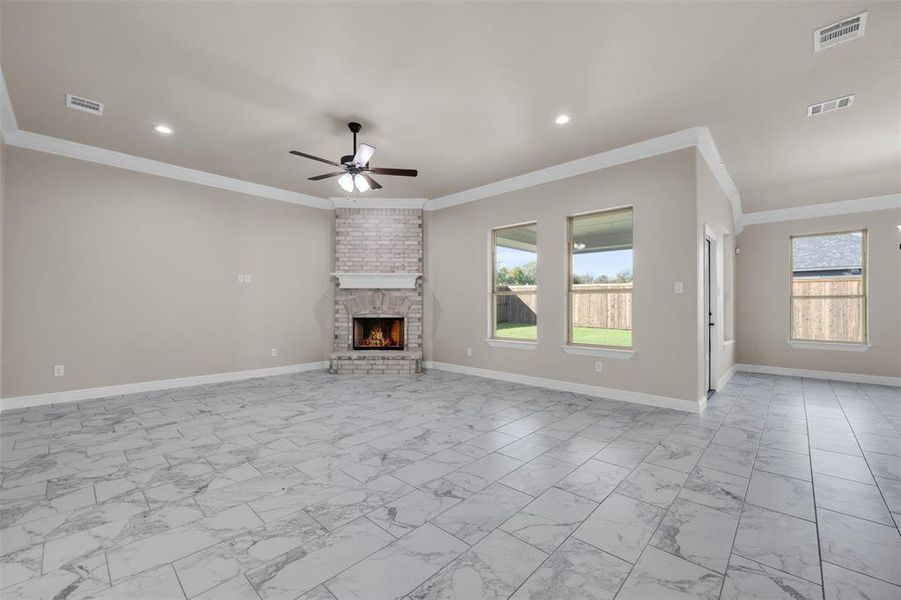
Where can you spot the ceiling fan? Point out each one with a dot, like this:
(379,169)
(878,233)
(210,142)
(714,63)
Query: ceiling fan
(356,169)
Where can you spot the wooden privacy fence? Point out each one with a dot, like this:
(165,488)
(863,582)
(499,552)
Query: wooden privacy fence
(828,309)
(604,305)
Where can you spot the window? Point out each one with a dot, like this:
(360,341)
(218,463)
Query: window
(514,288)
(829,287)
(600,279)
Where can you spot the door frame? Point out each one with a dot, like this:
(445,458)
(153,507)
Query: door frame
(710,303)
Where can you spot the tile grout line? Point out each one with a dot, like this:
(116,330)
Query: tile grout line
(864,456)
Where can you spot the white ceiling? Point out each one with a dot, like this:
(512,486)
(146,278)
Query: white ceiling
(465,92)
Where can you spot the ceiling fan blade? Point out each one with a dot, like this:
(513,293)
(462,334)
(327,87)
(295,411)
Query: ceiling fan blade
(326,176)
(400,172)
(373,184)
(363,155)
(305,155)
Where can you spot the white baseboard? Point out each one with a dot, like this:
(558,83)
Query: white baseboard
(814,374)
(568,386)
(722,381)
(152,386)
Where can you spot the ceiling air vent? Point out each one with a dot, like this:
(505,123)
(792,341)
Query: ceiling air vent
(79,103)
(830,105)
(839,33)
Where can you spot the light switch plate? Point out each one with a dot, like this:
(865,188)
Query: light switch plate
(59,370)
(677,287)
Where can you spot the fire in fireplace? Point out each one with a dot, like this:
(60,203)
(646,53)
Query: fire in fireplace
(378,333)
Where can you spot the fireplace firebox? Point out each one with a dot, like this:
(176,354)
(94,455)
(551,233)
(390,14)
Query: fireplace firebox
(378,333)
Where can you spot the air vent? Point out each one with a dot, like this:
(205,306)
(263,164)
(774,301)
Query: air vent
(830,105)
(839,33)
(79,103)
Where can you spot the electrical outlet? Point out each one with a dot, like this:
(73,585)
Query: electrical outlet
(59,370)
(678,288)
(275,352)
(598,366)
(469,352)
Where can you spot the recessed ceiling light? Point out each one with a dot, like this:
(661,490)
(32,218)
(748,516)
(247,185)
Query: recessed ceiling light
(562,119)
(164,129)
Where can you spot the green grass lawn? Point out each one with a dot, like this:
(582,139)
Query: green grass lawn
(581,335)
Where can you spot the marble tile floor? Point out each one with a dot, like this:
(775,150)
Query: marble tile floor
(443,486)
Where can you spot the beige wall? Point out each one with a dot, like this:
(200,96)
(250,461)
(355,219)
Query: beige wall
(762,310)
(714,214)
(662,192)
(125,277)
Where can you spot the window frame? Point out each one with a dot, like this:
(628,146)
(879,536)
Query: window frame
(569,278)
(864,269)
(492,285)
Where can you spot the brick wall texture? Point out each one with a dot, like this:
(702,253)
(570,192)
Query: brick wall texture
(378,240)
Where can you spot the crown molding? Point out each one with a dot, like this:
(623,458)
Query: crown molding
(366,202)
(60,147)
(13,136)
(711,154)
(8,123)
(826,209)
(697,137)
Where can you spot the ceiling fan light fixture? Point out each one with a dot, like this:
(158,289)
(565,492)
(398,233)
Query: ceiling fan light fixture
(346,182)
(363,155)
(361,183)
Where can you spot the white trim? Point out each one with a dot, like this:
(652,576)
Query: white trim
(847,347)
(727,343)
(722,381)
(814,374)
(568,386)
(610,158)
(826,209)
(51,145)
(511,344)
(151,386)
(711,154)
(8,123)
(376,281)
(698,137)
(366,202)
(598,352)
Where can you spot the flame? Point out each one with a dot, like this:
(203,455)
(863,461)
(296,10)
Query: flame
(376,337)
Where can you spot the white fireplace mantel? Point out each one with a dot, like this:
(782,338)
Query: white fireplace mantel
(370,281)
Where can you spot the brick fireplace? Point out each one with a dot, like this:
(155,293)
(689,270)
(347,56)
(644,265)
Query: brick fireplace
(378,295)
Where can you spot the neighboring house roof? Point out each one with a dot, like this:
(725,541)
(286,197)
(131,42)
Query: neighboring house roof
(827,252)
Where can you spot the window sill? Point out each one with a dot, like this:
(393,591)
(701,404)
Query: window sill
(598,352)
(512,344)
(843,347)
